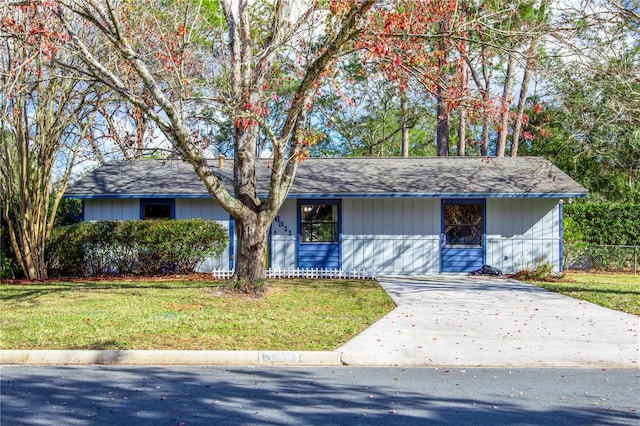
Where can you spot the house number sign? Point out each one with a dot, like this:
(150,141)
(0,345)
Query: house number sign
(280,224)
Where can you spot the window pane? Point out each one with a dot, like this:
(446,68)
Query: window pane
(319,223)
(307,235)
(319,213)
(157,211)
(319,232)
(463,235)
(463,224)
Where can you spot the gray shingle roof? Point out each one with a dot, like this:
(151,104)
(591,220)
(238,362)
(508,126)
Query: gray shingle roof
(345,177)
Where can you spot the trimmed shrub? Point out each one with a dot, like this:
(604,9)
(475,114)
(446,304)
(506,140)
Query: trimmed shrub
(149,247)
(542,270)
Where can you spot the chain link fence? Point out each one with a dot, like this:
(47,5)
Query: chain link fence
(602,257)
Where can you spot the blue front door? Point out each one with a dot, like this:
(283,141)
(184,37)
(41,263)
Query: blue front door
(462,235)
(319,234)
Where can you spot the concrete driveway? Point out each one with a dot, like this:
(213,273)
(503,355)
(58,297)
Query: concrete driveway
(480,321)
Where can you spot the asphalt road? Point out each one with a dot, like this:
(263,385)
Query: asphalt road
(134,395)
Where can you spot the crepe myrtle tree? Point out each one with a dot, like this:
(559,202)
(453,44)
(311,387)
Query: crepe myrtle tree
(45,113)
(180,62)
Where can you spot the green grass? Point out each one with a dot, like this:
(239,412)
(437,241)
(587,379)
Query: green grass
(615,291)
(196,315)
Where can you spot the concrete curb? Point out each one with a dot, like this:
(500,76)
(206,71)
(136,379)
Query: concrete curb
(115,357)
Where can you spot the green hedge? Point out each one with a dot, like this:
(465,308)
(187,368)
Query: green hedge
(603,223)
(148,247)
(600,235)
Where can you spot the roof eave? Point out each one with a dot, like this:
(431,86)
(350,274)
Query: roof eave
(440,195)
(349,195)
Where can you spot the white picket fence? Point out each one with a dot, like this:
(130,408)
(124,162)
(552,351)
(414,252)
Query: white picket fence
(305,273)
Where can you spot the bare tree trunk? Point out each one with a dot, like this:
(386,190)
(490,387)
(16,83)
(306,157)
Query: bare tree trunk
(253,220)
(405,141)
(442,134)
(26,199)
(442,112)
(404,123)
(141,121)
(462,133)
(484,85)
(26,204)
(95,149)
(442,129)
(484,149)
(503,131)
(251,254)
(462,130)
(28,246)
(517,128)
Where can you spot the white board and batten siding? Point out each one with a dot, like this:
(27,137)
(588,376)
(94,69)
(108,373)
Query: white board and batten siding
(96,209)
(129,209)
(386,235)
(522,231)
(402,236)
(284,237)
(391,235)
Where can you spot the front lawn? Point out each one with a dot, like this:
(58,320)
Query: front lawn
(615,291)
(195,315)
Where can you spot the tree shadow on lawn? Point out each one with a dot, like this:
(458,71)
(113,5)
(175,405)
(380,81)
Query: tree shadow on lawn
(583,289)
(118,395)
(31,291)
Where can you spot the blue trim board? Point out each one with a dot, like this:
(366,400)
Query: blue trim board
(128,196)
(232,226)
(269,248)
(464,259)
(464,201)
(561,220)
(350,195)
(323,255)
(438,195)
